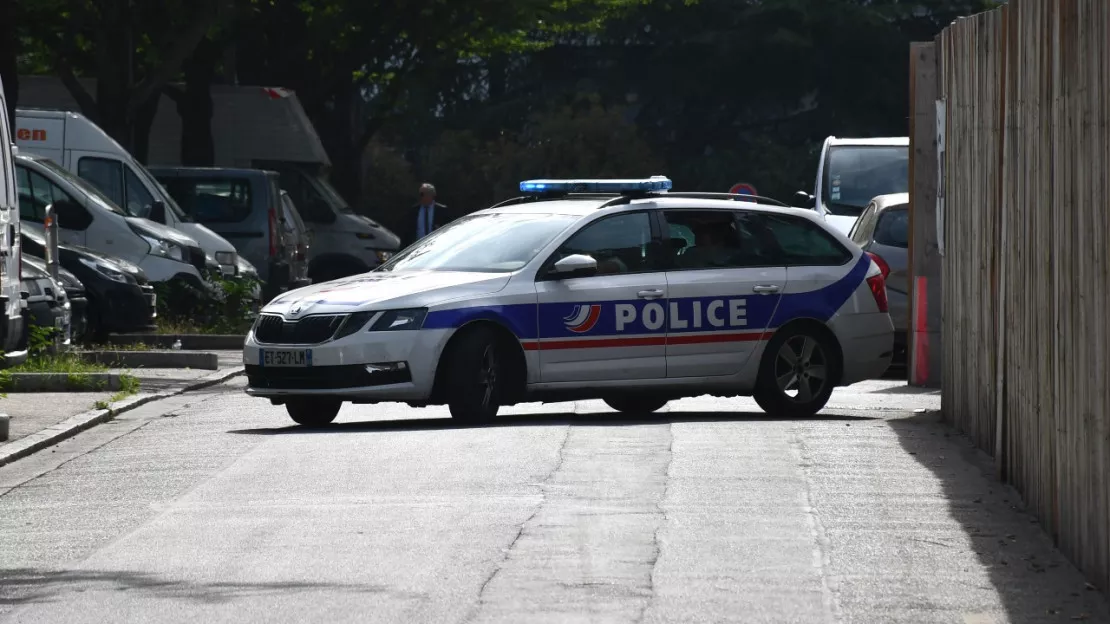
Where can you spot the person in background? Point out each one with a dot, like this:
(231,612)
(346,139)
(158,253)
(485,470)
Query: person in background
(425,217)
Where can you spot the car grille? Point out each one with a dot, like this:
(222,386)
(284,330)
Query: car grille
(272,329)
(321,377)
(197,259)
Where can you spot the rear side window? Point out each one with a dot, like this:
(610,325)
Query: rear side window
(893,228)
(804,243)
(865,225)
(214,200)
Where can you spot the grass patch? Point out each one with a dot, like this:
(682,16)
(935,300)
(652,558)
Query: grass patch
(132,346)
(129,386)
(66,363)
(232,328)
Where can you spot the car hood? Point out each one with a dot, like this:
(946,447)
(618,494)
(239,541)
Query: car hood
(162,231)
(380,290)
(842,223)
(380,237)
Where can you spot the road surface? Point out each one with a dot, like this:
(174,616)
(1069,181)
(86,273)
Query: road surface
(220,511)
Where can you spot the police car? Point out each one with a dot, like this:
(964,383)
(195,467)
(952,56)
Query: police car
(618,290)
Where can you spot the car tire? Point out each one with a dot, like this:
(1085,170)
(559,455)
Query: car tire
(797,360)
(313,412)
(636,406)
(475,376)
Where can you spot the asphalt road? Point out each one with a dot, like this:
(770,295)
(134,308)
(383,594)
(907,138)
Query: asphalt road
(220,512)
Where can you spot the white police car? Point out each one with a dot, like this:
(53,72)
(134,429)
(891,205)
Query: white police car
(610,289)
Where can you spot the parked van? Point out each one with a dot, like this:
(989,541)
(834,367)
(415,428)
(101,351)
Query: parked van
(79,145)
(88,218)
(852,172)
(243,206)
(13,306)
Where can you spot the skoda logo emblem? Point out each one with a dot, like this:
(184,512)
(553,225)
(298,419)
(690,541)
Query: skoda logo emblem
(296,309)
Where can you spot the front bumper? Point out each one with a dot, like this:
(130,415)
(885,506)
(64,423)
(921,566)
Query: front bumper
(339,367)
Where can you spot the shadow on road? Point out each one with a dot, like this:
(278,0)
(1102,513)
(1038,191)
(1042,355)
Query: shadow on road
(538,420)
(25,586)
(1033,580)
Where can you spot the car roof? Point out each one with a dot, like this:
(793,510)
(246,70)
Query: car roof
(893,200)
(213,171)
(880,141)
(587,206)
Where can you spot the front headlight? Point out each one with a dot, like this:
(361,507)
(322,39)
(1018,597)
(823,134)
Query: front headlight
(393,320)
(105,270)
(166,249)
(227,257)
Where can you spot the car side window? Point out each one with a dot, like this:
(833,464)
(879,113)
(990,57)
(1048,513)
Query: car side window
(31,208)
(36,192)
(620,244)
(139,199)
(104,174)
(804,243)
(893,228)
(713,239)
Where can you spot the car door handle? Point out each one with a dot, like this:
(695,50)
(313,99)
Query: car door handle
(650,294)
(765,289)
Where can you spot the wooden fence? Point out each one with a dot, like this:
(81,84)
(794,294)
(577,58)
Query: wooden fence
(1026,256)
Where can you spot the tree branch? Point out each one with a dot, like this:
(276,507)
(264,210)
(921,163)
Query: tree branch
(190,38)
(85,100)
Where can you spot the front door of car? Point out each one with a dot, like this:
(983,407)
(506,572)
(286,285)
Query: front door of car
(725,282)
(612,325)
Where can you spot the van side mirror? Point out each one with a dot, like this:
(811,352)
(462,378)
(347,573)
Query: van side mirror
(803,199)
(70,215)
(158,211)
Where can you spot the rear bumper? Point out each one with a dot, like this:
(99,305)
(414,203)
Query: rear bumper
(867,344)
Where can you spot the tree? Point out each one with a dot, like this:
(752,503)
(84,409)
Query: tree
(132,48)
(9,71)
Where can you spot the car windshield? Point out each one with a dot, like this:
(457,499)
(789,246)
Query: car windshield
(856,174)
(488,243)
(165,195)
(86,187)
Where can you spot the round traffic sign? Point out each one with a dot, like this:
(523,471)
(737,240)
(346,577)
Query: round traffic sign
(743,188)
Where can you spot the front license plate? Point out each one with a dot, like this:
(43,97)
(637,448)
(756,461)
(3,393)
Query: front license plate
(285,357)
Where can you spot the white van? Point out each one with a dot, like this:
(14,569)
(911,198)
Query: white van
(852,172)
(13,319)
(79,145)
(87,218)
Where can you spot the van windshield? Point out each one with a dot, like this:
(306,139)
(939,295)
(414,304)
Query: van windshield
(84,186)
(856,174)
(333,197)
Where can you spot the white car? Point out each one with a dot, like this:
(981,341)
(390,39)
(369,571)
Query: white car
(614,289)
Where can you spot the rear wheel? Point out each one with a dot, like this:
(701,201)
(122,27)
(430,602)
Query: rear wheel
(475,381)
(797,375)
(313,412)
(635,405)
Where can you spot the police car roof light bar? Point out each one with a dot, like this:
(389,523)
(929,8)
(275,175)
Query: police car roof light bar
(627,186)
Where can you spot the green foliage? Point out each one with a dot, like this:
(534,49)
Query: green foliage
(183,308)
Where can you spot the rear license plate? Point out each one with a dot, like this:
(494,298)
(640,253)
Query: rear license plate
(285,357)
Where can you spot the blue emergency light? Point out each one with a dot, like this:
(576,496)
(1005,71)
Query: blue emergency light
(644,185)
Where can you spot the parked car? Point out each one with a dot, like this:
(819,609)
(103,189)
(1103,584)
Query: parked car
(120,298)
(13,305)
(244,206)
(47,305)
(86,217)
(74,290)
(299,238)
(77,144)
(883,232)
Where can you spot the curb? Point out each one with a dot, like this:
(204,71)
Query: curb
(62,382)
(152,359)
(189,342)
(49,437)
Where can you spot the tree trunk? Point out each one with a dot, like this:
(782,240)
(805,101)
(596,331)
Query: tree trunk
(336,130)
(140,129)
(194,105)
(114,69)
(9,71)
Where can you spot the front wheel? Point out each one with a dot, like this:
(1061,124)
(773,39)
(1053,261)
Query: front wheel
(797,375)
(475,376)
(313,412)
(635,405)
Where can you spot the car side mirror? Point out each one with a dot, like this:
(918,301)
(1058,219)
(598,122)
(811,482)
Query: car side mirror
(66,212)
(576,265)
(678,244)
(803,199)
(158,211)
